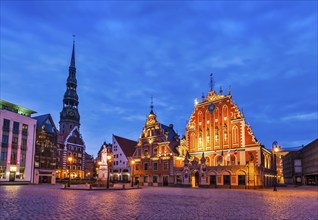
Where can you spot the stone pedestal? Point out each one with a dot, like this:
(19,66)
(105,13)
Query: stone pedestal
(102,172)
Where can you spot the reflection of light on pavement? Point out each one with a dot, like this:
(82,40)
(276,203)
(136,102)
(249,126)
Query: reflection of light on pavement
(51,202)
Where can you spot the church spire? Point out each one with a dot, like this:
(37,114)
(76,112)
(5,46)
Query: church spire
(73,53)
(69,116)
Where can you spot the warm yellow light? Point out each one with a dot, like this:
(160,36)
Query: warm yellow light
(70,159)
(13,168)
(99,163)
(133,162)
(109,157)
(196,102)
(276,149)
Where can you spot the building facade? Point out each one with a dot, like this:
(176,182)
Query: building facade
(45,160)
(71,143)
(123,150)
(223,151)
(89,166)
(17,132)
(301,166)
(156,155)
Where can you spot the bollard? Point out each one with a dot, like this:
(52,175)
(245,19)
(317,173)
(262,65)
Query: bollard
(123,186)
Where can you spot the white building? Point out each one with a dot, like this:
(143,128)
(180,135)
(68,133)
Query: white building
(17,138)
(122,150)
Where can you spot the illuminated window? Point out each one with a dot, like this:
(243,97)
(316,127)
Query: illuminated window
(155,151)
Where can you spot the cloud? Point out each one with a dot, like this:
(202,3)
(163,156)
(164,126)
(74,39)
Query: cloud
(301,117)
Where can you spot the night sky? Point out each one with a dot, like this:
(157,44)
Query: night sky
(128,51)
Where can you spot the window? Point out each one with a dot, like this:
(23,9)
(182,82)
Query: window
(179,179)
(298,168)
(241,179)
(13,157)
(3,156)
(145,166)
(24,129)
(5,139)
(3,172)
(155,179)
(146,152)
(15,127)
(155,151)
(226,180)
(145,179)
(155,166)
(6,125)
(22,158)
(24,144)
(165,165)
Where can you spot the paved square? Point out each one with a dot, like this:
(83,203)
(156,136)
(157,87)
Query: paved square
(51,202)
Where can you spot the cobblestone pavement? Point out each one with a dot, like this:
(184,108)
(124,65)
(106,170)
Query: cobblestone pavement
(51,202)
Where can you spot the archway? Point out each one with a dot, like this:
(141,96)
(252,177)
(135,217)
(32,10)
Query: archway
(195,179)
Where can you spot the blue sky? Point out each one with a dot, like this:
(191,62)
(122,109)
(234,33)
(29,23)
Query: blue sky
(128,51)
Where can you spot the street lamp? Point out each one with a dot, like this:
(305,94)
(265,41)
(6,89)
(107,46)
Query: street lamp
(132,173)
(275,150)
(248,174)
(108,166)
(70,159)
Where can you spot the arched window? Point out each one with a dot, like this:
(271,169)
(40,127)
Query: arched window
(235,135)
(192,141)
(216,134)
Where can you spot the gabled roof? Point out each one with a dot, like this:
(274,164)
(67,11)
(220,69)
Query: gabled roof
(170,130)
(128,146)
(173,137)
(41,119)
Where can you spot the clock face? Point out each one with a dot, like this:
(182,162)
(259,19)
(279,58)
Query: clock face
(211,108)
(71,114)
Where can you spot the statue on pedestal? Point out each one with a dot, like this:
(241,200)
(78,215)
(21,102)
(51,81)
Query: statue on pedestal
(103,166)
(104,155)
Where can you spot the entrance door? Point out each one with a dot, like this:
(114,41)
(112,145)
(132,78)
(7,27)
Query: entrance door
(12,176)
(165,180)
(212,179)
(195,179)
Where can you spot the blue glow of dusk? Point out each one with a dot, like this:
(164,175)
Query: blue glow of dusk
(127,52)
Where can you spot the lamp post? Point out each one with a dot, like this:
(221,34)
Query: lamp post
(70,159)
(132,173)
(248,174)
(275,150)
(108,167)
